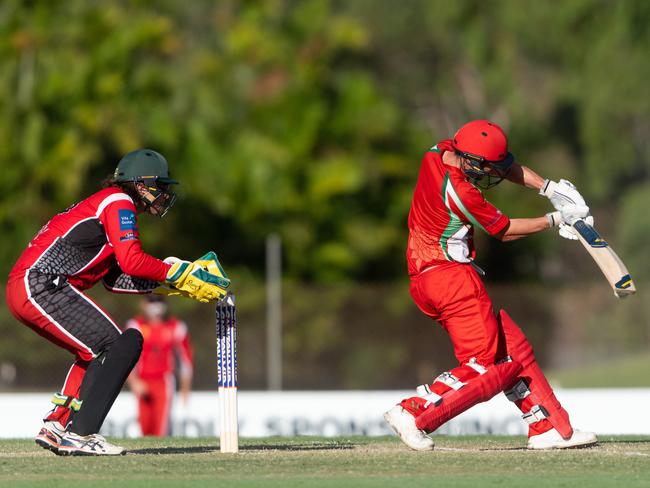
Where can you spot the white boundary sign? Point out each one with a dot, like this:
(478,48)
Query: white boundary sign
(332,413)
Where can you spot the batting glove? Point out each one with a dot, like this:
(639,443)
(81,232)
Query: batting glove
(565,230)
(571,213)
(561,194)
(568,232)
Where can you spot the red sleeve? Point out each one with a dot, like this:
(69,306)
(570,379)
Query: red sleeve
(121,227)
(474,209)
(184,348)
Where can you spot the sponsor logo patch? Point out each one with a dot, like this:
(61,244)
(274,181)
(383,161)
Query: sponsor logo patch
(129,236)
(127,219)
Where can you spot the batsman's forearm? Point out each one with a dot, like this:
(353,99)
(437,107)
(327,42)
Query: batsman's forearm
(523,175)
(519,228)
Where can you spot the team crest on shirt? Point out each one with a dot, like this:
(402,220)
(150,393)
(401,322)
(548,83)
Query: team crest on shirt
(127,219)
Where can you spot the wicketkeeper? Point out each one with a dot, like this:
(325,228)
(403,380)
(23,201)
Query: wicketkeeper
(98,239)
(492,351)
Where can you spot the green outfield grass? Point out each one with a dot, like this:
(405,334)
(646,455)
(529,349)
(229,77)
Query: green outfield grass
(317,462)
(628,371)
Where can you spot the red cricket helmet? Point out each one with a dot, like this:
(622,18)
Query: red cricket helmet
(482,139)
(483,144)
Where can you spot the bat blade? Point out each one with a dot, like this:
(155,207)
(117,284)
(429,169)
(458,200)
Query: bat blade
(607,260)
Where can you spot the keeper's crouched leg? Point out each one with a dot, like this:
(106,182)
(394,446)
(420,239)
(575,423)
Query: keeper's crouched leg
(455,391)
(103,381)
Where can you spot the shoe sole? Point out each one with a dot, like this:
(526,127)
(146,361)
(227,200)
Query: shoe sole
(387,418)
(46,444)
(580,445)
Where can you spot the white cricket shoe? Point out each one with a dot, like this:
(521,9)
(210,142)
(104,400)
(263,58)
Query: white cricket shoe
(87,445)
(553,440)
(403,423)
(49,437)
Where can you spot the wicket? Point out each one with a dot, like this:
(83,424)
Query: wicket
(226,321)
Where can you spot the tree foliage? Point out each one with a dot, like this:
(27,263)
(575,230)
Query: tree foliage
(309,118)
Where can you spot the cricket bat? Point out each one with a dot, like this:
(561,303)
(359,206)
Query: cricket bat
(607,260)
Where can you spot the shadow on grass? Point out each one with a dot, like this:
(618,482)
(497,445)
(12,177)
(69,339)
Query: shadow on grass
(624,441)
(174,450)
(312,446)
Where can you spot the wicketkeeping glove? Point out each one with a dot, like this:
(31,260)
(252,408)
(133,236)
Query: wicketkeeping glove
(561,194)
(196,280)
(211,264)
(164,288)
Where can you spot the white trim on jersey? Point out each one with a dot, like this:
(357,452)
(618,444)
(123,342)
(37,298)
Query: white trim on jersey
(115,197)
(457,243)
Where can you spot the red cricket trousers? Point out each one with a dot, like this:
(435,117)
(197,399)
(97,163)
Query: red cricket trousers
(154,407)
(454,295)
(68,318)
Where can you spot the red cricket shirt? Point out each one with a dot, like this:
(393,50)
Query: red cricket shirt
(445,209)
(164,344)
(90,238)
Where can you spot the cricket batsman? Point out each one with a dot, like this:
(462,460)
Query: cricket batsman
(493,353)
(98,239)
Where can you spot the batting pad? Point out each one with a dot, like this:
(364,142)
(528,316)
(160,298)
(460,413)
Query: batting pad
(497,377)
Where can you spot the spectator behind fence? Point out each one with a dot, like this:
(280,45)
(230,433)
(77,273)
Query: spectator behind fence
(166,349)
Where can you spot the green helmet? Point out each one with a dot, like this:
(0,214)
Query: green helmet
(148,172)
(142,164)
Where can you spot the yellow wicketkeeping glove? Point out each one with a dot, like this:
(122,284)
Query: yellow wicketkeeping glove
(211,264)
(164,288)
(204,279)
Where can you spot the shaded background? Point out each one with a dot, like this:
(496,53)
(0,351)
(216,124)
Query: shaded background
(309,119)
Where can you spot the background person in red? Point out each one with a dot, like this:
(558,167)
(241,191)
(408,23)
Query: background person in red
(98,239)
(166,349)
(493,353)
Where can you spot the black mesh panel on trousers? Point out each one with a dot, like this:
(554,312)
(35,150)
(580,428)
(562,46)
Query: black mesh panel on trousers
(69,309)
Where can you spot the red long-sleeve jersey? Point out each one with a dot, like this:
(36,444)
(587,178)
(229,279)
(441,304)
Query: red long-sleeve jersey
(444,211)
(166,344)
(94,239)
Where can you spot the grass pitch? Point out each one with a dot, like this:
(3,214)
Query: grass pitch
(482,461)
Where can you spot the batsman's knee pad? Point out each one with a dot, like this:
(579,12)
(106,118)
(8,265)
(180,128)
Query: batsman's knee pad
(532,393)
(103,381)
(461,388)
(450,381)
